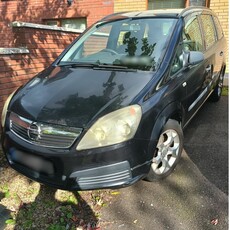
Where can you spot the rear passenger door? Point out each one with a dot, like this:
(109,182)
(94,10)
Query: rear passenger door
(214,45)
(209,34)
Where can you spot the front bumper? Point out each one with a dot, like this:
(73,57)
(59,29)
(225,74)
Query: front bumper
(108,167)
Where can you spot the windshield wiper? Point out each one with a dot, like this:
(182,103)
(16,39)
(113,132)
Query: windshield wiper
(77,64)
(104,65)
(96,66)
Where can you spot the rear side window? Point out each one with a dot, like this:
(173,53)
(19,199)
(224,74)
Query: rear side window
(219,30)
(209,30)
(192,38)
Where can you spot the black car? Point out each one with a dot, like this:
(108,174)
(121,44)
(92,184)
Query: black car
(111,109)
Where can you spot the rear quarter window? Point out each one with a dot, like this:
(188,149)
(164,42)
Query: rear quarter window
(209,30)
(219,30)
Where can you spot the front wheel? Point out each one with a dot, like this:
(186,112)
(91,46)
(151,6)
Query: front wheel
(168,151)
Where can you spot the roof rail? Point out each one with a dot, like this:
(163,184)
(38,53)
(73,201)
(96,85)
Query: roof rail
(187,9)
(112,15)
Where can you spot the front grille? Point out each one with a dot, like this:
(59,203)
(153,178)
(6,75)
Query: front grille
(43,134)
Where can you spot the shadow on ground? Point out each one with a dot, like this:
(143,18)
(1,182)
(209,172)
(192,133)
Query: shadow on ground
(195,195)
(26,204)
(4,213)
(206,142)
(69,214)
(185,200)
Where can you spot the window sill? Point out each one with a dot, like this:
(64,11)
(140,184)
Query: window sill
(7,51)
(17,24)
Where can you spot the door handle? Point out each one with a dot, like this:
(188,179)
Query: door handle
(184,84)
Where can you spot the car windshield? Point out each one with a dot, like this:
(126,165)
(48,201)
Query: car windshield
(130,43)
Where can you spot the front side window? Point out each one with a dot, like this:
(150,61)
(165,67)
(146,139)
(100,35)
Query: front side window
(209,30)
(132,43)
(177,63)
(192,38)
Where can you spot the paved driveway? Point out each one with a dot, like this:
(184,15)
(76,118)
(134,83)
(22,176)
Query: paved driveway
(195,196)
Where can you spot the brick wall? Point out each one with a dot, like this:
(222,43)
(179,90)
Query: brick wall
(130,5)
(35,11)
(44,46)
(221,8)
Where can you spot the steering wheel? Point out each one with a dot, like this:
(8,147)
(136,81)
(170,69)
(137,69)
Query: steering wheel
(110,51)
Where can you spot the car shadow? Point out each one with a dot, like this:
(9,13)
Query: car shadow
(4,213)
(51,209)
(54,213)
(206,142)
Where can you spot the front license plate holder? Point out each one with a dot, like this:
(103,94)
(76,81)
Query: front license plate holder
(35,163)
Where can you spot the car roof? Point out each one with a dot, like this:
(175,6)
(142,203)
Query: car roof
(174,13)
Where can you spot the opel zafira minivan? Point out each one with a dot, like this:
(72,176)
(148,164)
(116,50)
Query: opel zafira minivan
(112,108)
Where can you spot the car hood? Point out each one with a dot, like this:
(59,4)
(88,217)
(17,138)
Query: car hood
(77,96)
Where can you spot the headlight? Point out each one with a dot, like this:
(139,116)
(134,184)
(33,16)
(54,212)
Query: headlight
(116,127)
(5,107)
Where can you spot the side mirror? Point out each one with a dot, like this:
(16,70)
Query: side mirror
(195,57)
(192,58)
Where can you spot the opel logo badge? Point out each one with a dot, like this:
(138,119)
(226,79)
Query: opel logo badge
(34,132)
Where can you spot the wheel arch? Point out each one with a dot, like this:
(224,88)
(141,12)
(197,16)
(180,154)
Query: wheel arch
(174,111)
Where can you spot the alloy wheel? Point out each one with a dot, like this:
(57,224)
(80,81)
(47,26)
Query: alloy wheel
(168,149)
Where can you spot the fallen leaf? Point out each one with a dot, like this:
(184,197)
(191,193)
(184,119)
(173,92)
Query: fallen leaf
(214,221)
(135,221)
(100,202)
(74,218)
(10,221)
(115,193)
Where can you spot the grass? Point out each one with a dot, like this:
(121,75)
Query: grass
(35,206)
(225,91)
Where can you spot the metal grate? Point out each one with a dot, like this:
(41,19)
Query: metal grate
(42,134)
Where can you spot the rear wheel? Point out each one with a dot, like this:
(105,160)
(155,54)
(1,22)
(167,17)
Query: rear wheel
(216,94)
(168,151)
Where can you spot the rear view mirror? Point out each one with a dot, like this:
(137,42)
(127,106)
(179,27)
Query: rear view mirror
(134,27)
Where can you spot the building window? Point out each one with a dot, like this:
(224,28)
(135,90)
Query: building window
(197,3)
(71,23)
(165,4)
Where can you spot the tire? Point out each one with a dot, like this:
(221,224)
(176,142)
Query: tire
(168,151)
(216,94)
